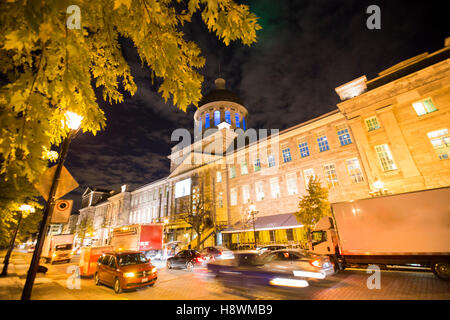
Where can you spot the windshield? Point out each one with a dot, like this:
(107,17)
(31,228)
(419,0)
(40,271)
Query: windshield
(61,247)
(132,258)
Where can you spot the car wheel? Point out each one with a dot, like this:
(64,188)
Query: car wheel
(441,270)
(96,279)
(117,286)
(189,266)
(169,264)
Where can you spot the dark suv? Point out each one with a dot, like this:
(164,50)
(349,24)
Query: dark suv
(187,259)
(125,270)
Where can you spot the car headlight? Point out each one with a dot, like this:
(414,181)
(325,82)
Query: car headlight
(154,270)
(54,255)
(129,274)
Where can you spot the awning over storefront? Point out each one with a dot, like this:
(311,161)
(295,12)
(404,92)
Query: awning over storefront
(278,221)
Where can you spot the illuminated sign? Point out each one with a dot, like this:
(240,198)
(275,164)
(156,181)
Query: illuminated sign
(183,188)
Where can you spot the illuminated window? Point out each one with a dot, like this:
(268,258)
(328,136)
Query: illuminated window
(232,172)
(219,176)
(331,175)
(233,197)
(257,165)
(308,174)
(244,168)
(372,123)
(291,182)
(323,143)
(385,157)
(259,189)
(200,124)
(243,124)
(245,194)
(216,117)
(304,150)
(423,107)
(227,117)
(286,154)
(207,121)
(275,188)
(271,160)
(440,139)
(354,170)
(238,124)
(344,136)
(220,200)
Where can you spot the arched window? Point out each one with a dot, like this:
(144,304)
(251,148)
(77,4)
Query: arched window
(243,124)
(207,120)
(199,124)
(216,117)
(227,117)
(238,124)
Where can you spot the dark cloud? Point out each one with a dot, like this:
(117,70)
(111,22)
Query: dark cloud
(305,50)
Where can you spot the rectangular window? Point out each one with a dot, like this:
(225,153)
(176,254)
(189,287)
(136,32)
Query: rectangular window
(440,139)
(385,157)
(331,175)
(257,165)
(220,200)
(291,182)
(259,189)
(308,174)
(244,168)
(423,107)
(323,142)
(272,235)
(372,123)
(290,234)
(232,172)
(207,124)
(344,136)
(275,188)
(271,160)
(245,194)
(219,176)
(286,154)
(354,170)
(304,150)
(233,196)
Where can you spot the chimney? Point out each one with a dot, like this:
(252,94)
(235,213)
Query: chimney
(447,42)
(220,83)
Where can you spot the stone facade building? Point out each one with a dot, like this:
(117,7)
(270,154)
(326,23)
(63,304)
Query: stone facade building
(388,134)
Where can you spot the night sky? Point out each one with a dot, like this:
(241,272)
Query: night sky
(305,50)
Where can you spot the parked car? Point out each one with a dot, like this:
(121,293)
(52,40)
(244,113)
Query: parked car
(271,247)
(218,253)
(31,249)
(188,259)
(288,268)
(125,270)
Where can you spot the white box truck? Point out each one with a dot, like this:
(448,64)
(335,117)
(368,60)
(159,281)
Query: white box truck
(57,248)
(408,229)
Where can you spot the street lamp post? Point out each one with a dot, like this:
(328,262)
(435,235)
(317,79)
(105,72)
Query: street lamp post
(73,121)
(252,212)
(23,208)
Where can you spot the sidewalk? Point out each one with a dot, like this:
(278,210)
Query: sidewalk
(11,286)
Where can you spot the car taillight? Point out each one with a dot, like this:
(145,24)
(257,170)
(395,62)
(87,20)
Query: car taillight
(316,263)
(199,259)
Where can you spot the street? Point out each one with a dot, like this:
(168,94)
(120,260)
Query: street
(60,284)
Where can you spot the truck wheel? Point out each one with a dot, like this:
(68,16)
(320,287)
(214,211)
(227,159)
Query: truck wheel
(117,286)
(96,279)
(441,270)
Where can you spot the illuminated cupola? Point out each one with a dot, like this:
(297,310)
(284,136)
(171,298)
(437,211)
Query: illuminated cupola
(218,106)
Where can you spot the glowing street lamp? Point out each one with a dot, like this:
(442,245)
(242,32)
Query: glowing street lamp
(73,122)
(25,208)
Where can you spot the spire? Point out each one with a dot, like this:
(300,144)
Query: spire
(220,83)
